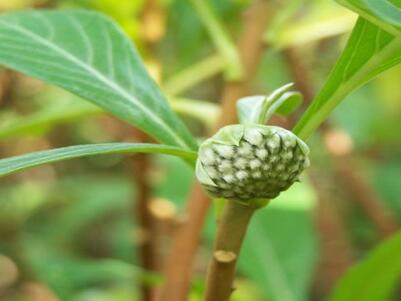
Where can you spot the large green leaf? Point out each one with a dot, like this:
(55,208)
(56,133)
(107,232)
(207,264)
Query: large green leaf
(87,54)
(14,164)
(384,13)
(374,278)
(369,51)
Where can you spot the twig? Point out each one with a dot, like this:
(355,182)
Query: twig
(141,166)
(232,229)
(180,261)
(141,212)
(366,197)
(336,252)
(7,79)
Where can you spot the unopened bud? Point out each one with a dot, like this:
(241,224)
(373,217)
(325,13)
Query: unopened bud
(242,162)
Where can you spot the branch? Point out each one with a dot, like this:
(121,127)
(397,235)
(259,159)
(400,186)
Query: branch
(179,264)
(336,251)
(232,229)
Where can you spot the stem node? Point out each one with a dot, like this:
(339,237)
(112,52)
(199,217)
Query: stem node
(225,256)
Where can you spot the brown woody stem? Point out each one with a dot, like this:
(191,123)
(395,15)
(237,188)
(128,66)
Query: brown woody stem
(251,47)
(231,232)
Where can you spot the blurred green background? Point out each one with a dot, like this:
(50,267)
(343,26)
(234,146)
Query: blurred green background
(68,231)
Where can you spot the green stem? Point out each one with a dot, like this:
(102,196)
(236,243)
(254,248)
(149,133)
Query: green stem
(231,232)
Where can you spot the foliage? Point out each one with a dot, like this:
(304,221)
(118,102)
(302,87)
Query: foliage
(72,227)
(374,278)
(87,54)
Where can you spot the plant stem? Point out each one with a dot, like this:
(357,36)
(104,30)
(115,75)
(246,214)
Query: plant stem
(231,232)
(179,264)
(146,221)
(179,267)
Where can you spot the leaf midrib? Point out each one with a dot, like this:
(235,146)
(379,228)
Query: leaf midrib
(99,76)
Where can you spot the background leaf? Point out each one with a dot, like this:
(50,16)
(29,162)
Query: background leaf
(87,54)
(221,39)
(375,277)
(46,118)
(319,20)
(369,52)
(14,164)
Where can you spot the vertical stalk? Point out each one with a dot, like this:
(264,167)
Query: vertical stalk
(179,263)
(144,218)
(231,232)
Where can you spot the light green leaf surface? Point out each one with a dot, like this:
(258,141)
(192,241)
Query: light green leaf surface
(369,52)
(384,13)
(14,164)
(375,277)
(87,54)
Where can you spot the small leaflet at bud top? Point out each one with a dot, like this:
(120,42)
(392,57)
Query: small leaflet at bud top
(247,162)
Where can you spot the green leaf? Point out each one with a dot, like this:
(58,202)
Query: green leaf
(258,109)
(375,277)
(384,13)
(289,102)
(87,54)
(369,52)
(14,164)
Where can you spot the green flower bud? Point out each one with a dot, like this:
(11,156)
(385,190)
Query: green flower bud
(246,162)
